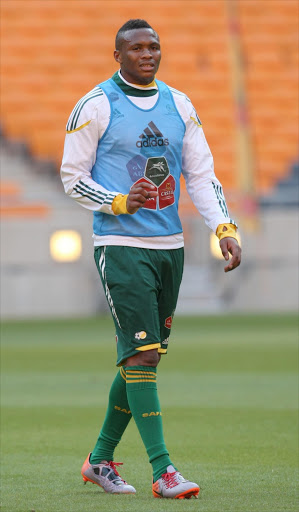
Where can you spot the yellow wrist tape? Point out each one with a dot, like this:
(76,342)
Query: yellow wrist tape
(226,230)
(119,204)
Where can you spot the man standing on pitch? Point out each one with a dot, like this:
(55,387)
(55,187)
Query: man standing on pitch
(127,143)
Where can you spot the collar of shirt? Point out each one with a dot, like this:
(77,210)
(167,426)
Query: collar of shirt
(133,89)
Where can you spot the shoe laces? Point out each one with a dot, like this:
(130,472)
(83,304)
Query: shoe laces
(171,479)
(113,465)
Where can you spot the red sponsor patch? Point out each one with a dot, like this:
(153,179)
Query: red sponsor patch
(166,192)
(168,322)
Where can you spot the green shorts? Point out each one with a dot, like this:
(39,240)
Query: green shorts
(141,287)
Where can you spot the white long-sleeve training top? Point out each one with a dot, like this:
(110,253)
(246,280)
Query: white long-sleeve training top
(87,124)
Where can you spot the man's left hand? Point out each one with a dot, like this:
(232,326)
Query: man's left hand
(230,246)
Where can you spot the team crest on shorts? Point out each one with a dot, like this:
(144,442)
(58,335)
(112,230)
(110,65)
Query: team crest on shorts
(168,322)
(140,335)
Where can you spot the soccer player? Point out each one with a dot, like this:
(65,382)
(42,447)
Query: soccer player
(127,142)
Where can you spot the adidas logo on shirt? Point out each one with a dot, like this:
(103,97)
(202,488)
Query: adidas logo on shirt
(151,137)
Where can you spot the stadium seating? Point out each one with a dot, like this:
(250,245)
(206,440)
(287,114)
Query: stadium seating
(270,42)
(54,51)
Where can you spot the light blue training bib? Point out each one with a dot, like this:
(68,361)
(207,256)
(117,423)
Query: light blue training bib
(141,145)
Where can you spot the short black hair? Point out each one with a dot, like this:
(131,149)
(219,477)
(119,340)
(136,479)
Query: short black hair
(130,25)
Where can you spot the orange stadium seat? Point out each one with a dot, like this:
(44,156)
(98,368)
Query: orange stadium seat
(52,55)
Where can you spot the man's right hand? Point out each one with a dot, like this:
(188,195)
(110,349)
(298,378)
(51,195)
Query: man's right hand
(138,194)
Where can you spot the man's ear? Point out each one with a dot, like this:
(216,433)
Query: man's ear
(117,56)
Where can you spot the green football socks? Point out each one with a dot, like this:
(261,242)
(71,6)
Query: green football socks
(117,418)
(144,403)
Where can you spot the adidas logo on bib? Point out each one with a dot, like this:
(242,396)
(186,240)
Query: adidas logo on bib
(152,141)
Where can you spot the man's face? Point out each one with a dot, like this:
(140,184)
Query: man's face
(139,56)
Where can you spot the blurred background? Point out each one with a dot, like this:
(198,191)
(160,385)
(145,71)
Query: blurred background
(238,62)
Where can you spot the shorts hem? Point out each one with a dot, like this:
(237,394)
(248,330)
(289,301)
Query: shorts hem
(143,348)
(162,350)
(151,346)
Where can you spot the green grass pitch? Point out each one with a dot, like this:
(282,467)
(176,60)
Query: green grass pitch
(228,390)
